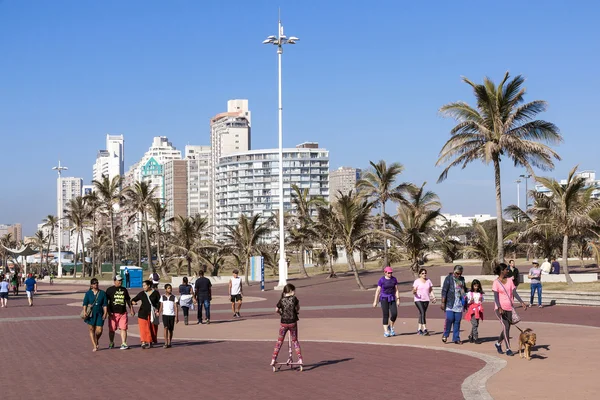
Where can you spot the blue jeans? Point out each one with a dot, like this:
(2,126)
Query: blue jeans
(206,304)
(538,287)
(452,321)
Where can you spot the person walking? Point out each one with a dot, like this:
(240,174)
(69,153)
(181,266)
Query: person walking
(423,292)
(118,301)
(96,300)
(288,308)
(535,275)
(453,292)
(14,282)
(30,288)
(388,296)
(514,273)
(147,314)
(475,310)
(4,292)
(186,297)
(235,293)
(203,293)
(155,278)
(504,293)
(169,308)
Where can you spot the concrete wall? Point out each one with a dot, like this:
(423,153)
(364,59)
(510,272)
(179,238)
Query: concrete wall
(592,277)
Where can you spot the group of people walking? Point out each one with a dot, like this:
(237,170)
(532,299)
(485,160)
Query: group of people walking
(12,282)
(458,302)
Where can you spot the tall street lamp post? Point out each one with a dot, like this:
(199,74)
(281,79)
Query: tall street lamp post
(526,177)
(60,168)
(518,181)
(279,41)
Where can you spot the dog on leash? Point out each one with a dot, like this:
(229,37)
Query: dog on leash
(527,340)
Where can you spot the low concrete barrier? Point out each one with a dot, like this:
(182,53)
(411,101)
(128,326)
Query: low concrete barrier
(589,277)
(215,280)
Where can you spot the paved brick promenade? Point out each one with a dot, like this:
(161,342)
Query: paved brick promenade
(47,352)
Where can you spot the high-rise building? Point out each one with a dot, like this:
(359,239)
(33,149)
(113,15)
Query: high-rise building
(111,161)
(71,188)
(248,183)
(15,230)
(198,174)
(176,188)
(230,132)
(342,180)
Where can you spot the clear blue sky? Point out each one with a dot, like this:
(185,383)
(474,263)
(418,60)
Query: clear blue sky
(366,81)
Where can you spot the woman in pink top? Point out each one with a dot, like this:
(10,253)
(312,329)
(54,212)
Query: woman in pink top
(504,290)
(423,291)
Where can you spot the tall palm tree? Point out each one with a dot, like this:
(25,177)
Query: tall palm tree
(93,204)
(484,246)
(77,214)
(184,242)
(499,126)
(327,235)
(109,194)
(567,209)
(39,241)
(352,222)
(139,199)
(379,183)
(50,222)
(245,237)
(413,226)
(303,207)
(158,212)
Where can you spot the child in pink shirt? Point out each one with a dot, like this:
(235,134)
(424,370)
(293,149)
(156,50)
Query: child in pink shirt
(475,310)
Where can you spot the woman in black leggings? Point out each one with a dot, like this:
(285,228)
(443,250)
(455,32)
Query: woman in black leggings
(423,292)
(505,292)
(387,294)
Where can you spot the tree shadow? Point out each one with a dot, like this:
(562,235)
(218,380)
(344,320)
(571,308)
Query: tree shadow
(324,363)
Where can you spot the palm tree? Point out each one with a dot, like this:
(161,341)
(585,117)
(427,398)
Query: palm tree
(303,207)
(413,226)
(567,209)
(187,234)
(158,213)
(484,247)
(352,223)
(7,242)
(109,195)
(39,241)
(499,126)
(327,234)
(139,199)
(93,204)
(244,238)
(379,184)
(50,222)
(77,213)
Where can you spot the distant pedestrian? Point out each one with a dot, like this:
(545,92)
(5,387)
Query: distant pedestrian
(514,273)
(14,282)
(235,293)
(423,292)
(169,308)
(288,308)
(155,278)
(186,298)
(203,293)
(127,278)
(535,276)
(475,310)
(546,267)
(555,266)
(148,314)
(453,292)
(4,292)
(96,300)
(30,288)
(118,301)
(389,298)
(504,293)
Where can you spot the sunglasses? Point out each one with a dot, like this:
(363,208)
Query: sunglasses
(388,273)
(423,273)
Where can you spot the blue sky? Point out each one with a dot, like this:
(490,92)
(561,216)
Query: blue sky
(366,81)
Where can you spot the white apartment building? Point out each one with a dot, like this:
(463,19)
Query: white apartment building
(248,183)
(342,180)
(230,132)
(71,188)
(590,180)
(461,220)
(198,176)
(15,230)
(111,161)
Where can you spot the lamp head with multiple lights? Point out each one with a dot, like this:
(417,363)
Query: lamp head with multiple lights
(281,40)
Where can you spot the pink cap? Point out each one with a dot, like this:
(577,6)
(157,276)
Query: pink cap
(388,269)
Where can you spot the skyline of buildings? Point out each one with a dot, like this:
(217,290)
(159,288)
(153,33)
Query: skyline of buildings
(110,161)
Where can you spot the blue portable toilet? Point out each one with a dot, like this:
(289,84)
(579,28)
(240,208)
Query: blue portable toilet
(136,276)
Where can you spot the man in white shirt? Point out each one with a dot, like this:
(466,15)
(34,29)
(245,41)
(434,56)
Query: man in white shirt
(235,293)
(155,278)
(546,267)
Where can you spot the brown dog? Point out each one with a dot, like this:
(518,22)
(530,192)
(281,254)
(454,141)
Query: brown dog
(527,340)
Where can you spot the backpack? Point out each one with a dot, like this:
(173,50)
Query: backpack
(155,276)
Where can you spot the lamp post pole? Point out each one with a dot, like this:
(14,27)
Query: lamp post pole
(526,177)
(279,41)
(518,181)
(59,169)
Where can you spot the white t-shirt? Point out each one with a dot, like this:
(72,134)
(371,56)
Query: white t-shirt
(546,267)
(151,277)
(168,304)
(4,287)
(236,286)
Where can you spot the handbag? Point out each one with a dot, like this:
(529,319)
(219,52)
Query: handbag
(153,317)
(85,314)
(515,317)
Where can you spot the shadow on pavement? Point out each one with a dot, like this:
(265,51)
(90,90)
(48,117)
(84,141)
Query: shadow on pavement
(325,363)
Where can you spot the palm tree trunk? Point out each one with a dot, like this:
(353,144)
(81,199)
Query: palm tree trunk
(163,269)
(331,270)
(83,252)
(385,248)
(112,245)
(353,266)
(148,248)
(75,258)
(565,256)
(140,247)
(302,262)
(500,231)
(247,270)
(189,265)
